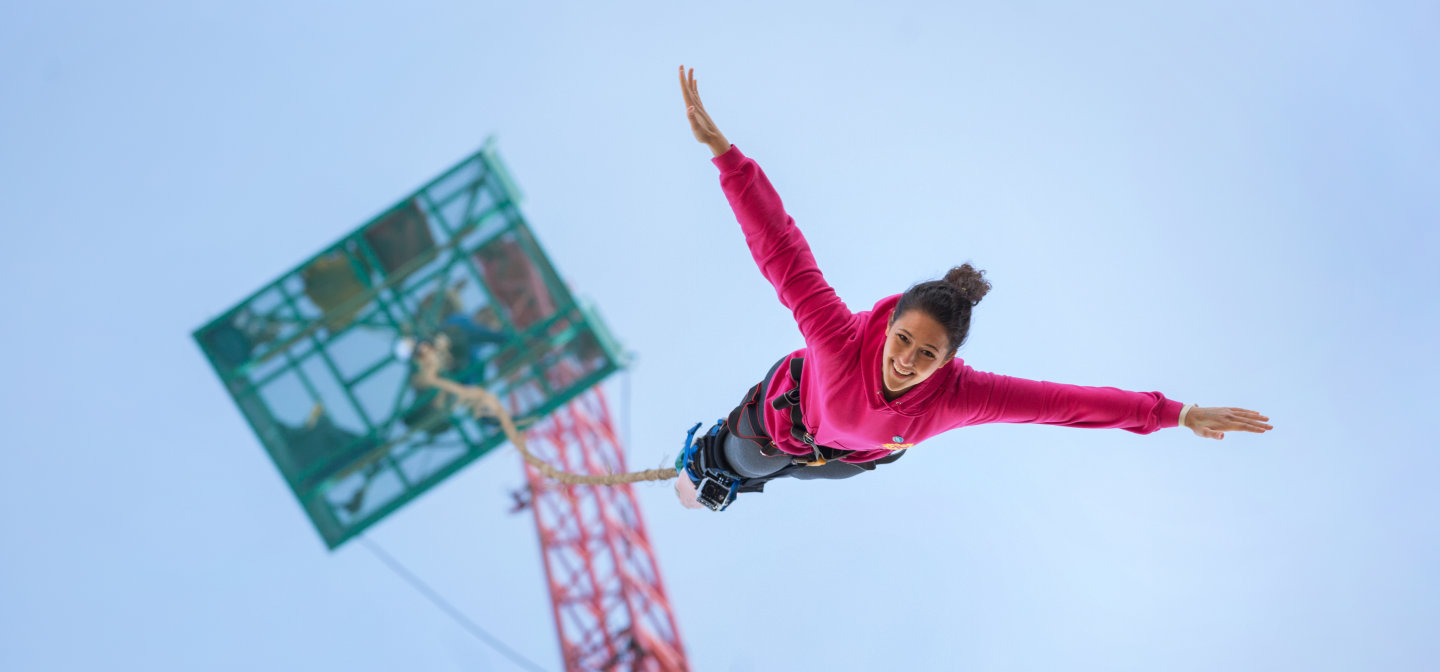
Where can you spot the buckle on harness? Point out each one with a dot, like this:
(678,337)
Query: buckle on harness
(816,458)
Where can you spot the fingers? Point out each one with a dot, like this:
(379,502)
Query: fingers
(1242,427)
(1234,420)
(690,88)
(700,123)
(1245,420)
(685,88)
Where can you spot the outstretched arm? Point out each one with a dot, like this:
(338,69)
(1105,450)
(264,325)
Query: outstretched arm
(983,397)
(700,122)
(779,249)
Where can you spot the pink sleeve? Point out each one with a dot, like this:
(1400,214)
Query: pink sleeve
(779,249)
(982,397)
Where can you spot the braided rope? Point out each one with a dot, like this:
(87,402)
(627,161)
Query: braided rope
(485,404)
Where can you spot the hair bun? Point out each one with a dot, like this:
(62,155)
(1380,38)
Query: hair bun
(970,283)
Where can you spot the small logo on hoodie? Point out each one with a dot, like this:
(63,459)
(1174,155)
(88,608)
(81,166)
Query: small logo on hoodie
(897,445)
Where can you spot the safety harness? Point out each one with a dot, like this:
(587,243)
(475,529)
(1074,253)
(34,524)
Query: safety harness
(717,486)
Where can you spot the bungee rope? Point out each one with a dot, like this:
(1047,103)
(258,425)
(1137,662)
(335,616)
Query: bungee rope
(484,404)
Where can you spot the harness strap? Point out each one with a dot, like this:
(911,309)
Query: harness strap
(750,408)
(819,454)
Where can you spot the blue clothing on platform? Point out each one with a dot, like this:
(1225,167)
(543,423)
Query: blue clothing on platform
(482,342)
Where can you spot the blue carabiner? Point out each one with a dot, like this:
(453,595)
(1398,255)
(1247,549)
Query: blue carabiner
(689,449)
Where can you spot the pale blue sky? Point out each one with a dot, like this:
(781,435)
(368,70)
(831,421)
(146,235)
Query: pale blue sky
(1229,203)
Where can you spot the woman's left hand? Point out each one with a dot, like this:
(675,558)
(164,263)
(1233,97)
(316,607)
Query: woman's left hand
(1212,423)
(686,493)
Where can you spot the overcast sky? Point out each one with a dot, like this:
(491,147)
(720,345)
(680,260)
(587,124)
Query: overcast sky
(1232,203)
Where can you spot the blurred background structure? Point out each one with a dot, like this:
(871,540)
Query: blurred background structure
(320,364)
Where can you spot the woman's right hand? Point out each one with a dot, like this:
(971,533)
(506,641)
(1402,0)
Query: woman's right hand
(700,123)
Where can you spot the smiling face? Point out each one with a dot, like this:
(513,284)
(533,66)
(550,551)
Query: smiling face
(915,348)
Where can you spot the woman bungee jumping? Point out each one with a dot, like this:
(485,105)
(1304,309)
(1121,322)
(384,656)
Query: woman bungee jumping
(868,385)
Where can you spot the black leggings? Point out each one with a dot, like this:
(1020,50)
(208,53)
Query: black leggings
(746,459)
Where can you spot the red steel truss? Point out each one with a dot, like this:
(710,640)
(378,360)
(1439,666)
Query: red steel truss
(611,611)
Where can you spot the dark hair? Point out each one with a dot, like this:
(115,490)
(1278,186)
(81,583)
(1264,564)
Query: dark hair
(948,301)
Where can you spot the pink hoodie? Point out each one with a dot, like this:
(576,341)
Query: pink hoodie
(840,390)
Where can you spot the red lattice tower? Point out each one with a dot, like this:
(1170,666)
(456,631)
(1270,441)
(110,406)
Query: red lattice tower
(611,612)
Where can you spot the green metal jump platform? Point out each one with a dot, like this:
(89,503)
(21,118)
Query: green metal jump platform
(318,361)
